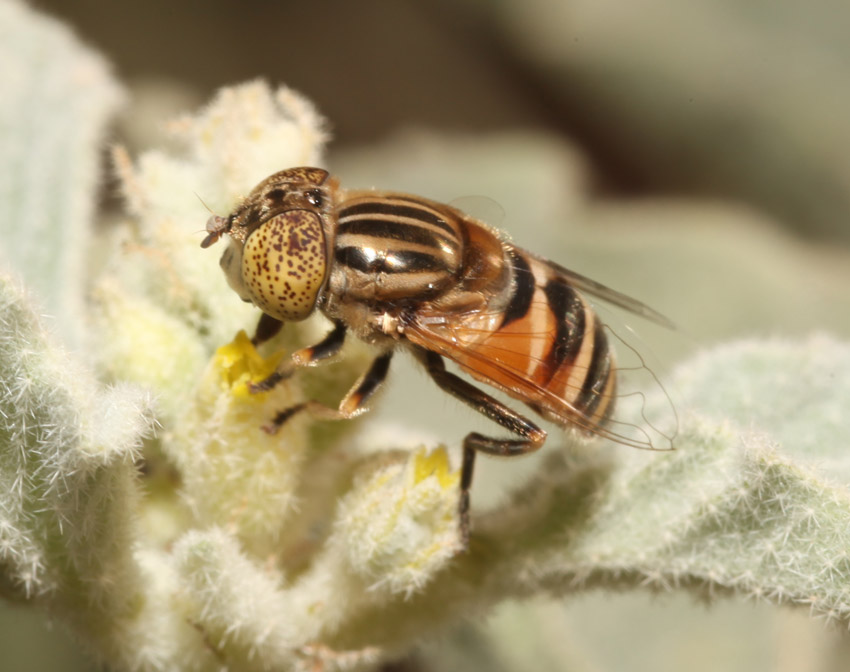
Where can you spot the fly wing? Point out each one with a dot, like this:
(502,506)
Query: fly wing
(551,353)
(612,296)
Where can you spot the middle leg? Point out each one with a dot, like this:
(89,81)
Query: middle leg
(352,405)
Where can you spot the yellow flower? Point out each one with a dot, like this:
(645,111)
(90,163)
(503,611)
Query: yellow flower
(239,363)
(435,463)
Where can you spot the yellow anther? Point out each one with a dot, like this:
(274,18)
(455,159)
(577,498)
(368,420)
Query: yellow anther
(239,364)
(435,463)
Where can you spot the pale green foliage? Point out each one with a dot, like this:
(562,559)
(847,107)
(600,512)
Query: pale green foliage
(161,297)
(47,167)
(395,544)
(235,474)
(295,551)
(69,487)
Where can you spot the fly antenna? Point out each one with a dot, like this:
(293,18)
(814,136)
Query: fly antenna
(209,210)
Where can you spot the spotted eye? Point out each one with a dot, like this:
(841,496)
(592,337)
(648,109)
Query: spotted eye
(314,197)
(284,264)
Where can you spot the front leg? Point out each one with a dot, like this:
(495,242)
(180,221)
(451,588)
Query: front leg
(351,406)
(267,328)
(328,347)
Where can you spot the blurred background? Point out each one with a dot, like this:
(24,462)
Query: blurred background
(693,154)
(744,100)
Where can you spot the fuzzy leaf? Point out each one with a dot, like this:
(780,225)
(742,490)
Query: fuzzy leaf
(57,98)
(68,493)
(235,474)
(727,512)
(162,297)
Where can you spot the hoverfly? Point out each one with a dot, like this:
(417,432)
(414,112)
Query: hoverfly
(399,270)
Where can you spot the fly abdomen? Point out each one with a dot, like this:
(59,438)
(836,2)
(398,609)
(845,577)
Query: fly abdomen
(579,365)
(549,336)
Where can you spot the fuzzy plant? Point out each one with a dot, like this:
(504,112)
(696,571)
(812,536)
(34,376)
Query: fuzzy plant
(142,503)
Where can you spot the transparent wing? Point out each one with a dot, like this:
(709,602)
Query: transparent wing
(612,296)
(643,415)
(482,208)
(487,210)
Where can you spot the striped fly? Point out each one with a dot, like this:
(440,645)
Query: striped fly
(399,270)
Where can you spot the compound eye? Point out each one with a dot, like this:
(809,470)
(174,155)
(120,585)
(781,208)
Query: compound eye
(284,264)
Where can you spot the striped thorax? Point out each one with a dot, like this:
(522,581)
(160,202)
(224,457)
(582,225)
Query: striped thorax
(394,248)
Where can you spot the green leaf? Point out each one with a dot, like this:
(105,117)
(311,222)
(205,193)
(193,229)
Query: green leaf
(57,97)
(67,478)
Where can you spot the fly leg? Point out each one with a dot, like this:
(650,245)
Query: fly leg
(352,405)
(267,328)
(328,347)
(532,437)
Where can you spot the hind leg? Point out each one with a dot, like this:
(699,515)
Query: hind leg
(532,437)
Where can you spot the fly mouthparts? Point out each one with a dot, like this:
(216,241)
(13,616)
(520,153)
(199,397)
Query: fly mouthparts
(216,225)
(210,239)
